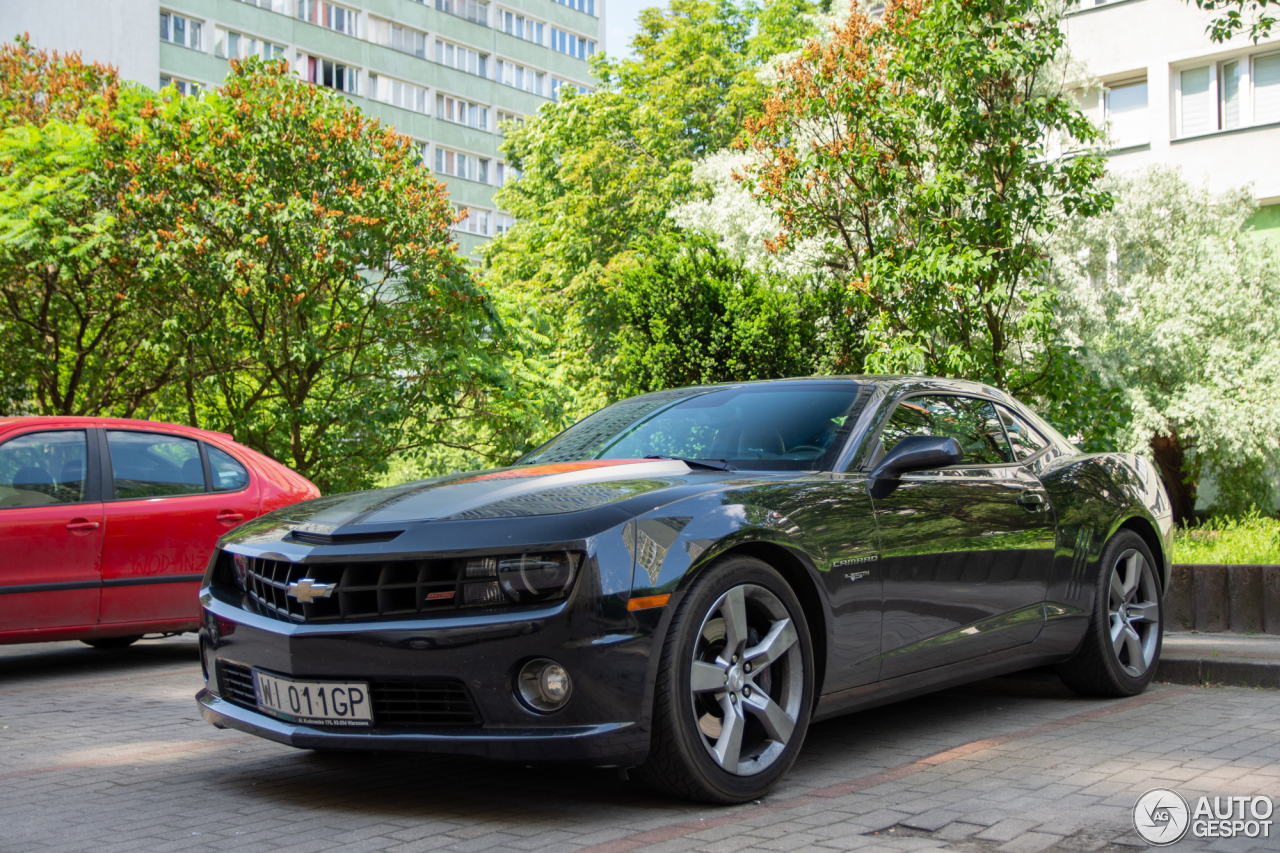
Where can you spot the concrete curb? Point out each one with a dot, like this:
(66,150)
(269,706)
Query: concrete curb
(1215,598)
(1219,672)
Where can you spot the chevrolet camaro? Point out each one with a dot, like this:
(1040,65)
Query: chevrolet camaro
(680,583)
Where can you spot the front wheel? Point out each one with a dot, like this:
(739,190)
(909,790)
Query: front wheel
(1122,646)
(735,686)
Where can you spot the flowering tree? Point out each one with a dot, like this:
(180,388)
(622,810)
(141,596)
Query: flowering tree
(321,252)
(921,148)
(1178,310)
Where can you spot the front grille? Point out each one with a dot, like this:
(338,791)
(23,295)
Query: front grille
(396,704)
(396,588)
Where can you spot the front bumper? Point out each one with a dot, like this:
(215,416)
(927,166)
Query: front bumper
(621,744)
(605,723)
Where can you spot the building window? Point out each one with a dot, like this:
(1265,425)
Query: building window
(1196,107)
(404,39)
(517,25)
(184,87)
(462,112)
(326,72)
(462,58)
(556,83)
(476,221)
(397,93)
(328,15)
(588,6)
(177,29)
(1126,113)
(504,118)
(281,6)
(473,10)
(458,165)
(571,44)
(502,223)
(229,44)
(1266,88)
(520,77)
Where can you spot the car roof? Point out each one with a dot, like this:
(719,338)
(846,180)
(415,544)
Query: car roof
(134,423)
(887,381)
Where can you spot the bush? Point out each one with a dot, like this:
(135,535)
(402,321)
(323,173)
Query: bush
(1251,540)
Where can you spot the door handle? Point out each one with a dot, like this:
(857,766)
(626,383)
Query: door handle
(81,525)
(1030,500)
(229,517)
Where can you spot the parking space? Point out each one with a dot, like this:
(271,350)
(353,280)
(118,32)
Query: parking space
(105,751)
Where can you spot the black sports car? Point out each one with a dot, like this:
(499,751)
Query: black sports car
(682,581)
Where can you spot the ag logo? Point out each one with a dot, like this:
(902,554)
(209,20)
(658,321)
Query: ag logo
(1161,817)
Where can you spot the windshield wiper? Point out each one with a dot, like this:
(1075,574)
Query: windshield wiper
(713,464)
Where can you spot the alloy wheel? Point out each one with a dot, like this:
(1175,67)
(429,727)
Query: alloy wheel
(1134,610)
(746,680)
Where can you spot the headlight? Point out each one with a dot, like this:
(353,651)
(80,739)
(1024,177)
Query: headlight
(522,579)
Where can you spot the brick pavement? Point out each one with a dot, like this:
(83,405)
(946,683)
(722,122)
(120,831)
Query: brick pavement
(105,751)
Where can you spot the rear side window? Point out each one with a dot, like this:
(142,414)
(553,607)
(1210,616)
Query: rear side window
(971,422)
(1025,440)
(42,468)
(151,465)
(228,474)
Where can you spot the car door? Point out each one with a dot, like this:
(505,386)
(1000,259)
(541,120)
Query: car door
(966,551)
(51,530)
(169,498)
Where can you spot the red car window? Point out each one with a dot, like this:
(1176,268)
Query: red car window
(228,474)
(42,468)
(151,464)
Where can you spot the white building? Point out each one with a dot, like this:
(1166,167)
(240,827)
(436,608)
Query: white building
(1172,96)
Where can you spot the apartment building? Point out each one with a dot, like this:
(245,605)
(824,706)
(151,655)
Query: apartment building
(449,73)
(1170,95)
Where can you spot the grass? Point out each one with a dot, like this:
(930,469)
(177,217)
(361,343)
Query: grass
(1254,539)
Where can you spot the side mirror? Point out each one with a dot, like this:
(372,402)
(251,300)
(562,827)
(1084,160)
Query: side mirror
(913,453)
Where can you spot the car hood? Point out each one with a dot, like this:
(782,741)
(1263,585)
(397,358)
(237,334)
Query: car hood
(498,493)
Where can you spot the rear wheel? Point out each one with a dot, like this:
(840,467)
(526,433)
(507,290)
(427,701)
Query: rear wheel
(1122,646)
(735,686)
(112,642)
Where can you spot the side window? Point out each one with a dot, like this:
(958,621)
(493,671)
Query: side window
(152,465)
(1024,439)
(42,468)
(971,422)
(228,474)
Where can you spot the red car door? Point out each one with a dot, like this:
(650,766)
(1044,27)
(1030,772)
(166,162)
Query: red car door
(50,531)
(167,501)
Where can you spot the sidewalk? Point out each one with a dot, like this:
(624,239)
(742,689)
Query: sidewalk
(1234,660)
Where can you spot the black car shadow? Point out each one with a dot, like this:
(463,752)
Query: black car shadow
(24,663)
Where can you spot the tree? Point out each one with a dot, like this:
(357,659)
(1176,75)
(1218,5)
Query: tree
(84,333)
(922,150)
(600,173)
(339,317)
(690,314)
(1235,14)
(1177,308)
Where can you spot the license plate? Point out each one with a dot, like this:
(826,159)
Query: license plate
(315,703)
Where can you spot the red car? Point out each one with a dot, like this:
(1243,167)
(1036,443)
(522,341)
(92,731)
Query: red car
(106,524)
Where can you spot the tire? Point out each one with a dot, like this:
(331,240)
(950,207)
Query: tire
(112,642)
(1121,648)
(692,753)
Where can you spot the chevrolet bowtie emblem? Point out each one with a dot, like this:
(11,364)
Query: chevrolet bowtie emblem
(307,590)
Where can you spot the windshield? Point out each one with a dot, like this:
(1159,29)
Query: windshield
(761,427)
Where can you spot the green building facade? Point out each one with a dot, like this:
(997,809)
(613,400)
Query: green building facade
(448,74)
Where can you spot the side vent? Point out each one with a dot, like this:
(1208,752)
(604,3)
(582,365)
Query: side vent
(1079,561)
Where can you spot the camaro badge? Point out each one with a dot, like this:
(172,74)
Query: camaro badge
(307,590)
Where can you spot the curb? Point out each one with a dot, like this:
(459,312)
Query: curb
(1219,671)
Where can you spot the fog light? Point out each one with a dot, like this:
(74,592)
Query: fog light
(544,685)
